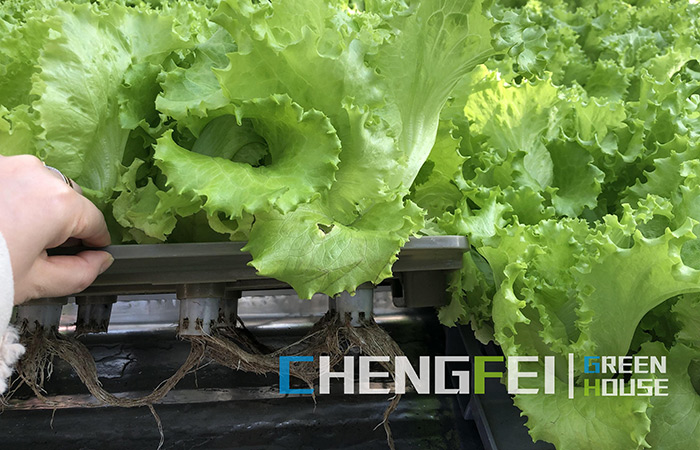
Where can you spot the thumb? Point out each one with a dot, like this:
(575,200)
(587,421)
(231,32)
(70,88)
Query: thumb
(62,275)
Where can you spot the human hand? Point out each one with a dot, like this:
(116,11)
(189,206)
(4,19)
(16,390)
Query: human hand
(38,211)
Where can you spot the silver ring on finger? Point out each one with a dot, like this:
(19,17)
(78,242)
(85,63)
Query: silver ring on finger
(66,180)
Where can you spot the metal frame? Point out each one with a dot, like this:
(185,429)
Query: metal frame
(498,420)
(142,269)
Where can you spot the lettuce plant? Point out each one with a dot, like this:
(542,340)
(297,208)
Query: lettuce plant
(576,169)
(560,137)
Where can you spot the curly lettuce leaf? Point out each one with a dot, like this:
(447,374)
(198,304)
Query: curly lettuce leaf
(18,131)
(147,213)
(82,65)
(189,95)
(315,253)
(435,189)
(384,106)
(584,422)
(303,151)
(675,419)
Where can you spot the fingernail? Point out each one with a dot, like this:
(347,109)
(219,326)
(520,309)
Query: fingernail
(106,264)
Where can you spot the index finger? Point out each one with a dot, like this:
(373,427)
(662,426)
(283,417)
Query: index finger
(89,225)
(60,176)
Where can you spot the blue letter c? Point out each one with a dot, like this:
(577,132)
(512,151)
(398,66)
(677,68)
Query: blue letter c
(284,374)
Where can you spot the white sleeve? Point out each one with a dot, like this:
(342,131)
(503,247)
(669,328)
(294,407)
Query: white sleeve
(10,348)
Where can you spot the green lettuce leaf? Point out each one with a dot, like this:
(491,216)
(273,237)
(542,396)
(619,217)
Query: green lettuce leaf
(584,422)
(315,253)
(303,150)
(675,419)
(435,189)
(83,64)
(189,95)
(147,213)
(383,106)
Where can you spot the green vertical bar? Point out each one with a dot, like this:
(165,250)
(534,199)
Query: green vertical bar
(480,373)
